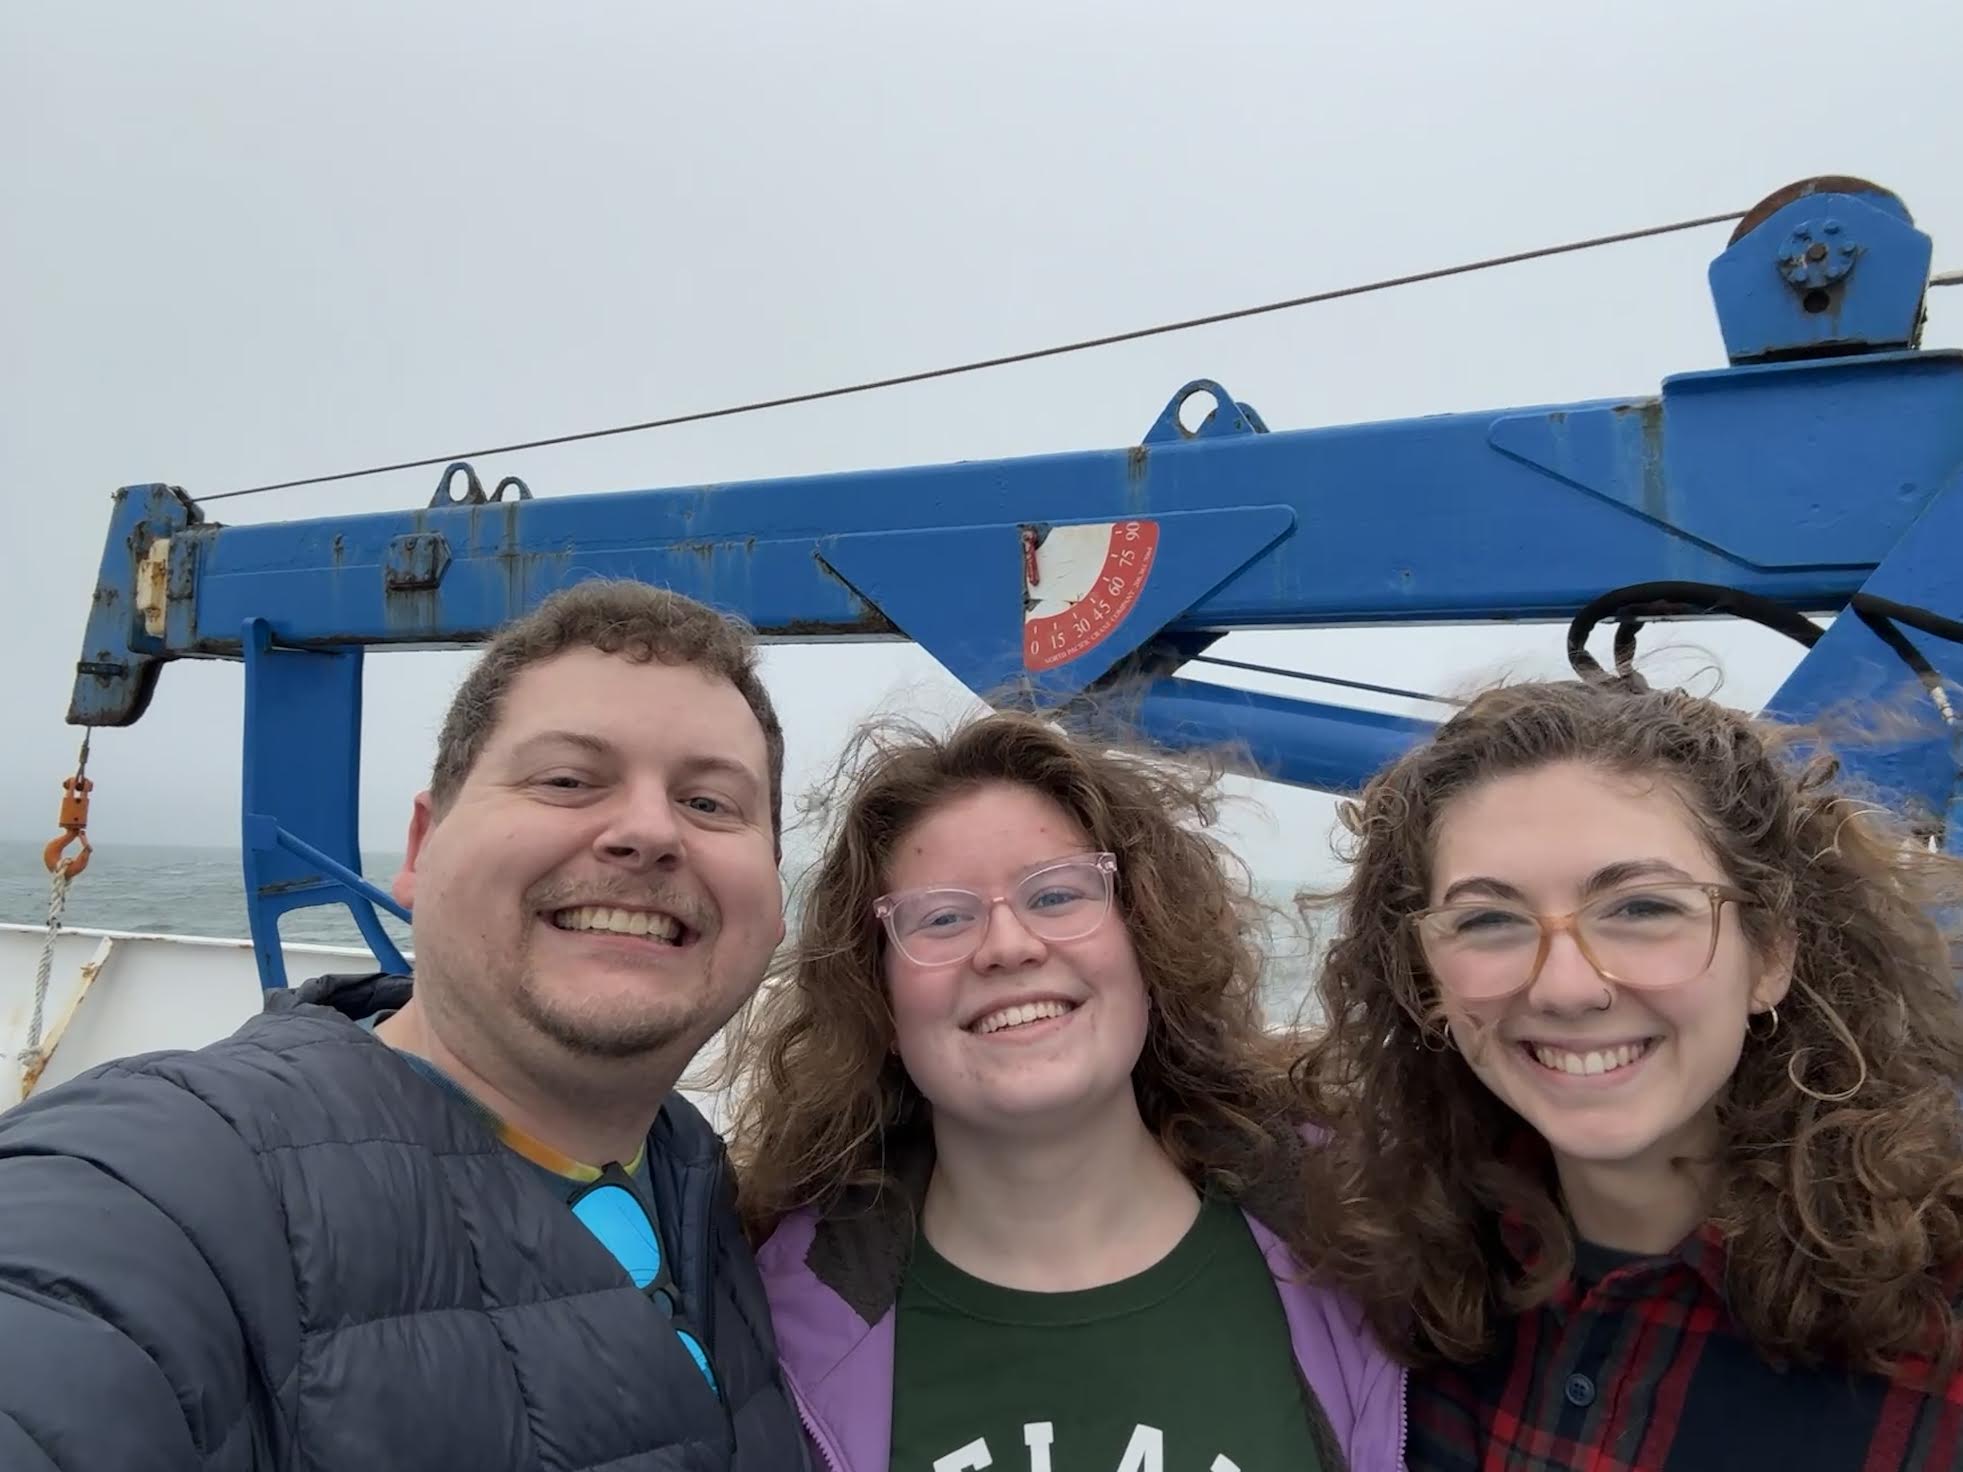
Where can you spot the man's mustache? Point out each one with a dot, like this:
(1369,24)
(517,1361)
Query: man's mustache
(624,894)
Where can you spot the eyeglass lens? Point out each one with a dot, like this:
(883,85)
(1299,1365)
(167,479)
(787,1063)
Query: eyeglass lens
(615,1216)
(1059,902)
(1655,937)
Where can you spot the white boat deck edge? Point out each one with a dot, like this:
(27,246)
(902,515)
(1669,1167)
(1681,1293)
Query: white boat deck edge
(114,993)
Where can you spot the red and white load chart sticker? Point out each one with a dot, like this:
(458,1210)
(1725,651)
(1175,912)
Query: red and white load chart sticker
(1079,582)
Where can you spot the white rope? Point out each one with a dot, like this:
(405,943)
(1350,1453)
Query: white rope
(57,899)
(61,876)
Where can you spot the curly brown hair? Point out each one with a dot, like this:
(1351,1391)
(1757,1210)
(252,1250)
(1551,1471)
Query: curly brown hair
(1838,1178)
(823,1104)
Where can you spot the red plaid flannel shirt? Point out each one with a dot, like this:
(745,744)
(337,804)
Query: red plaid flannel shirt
(1639,1367)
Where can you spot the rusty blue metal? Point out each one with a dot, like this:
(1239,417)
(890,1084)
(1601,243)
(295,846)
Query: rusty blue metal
(415,562)
(1830,265)
(123,646)
(1826,461)
(1790,482)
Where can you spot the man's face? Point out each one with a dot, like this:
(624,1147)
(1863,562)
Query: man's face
(606,876)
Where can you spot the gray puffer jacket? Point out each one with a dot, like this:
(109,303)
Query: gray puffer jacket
(291,1250)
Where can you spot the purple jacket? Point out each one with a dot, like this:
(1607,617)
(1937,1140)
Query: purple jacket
(832,1301)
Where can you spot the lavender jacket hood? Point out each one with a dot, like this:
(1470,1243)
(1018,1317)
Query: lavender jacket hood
(833,1283)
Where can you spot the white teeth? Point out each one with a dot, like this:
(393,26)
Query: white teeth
(1561,1060)
(1018,1015)
(619,922)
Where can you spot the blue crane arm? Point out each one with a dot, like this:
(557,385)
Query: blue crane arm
(1823,466)
(1790,481)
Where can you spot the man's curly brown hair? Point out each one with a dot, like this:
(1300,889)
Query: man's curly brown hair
(823,1104)
(1837,1183)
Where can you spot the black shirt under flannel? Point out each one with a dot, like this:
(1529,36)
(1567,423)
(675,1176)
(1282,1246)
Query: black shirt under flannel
(1636,1366)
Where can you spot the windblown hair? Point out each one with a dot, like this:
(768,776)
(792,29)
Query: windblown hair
(1838,1176)
(824,1104)
(638,622)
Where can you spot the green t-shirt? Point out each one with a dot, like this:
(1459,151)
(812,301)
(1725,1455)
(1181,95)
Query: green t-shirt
(1185,1367)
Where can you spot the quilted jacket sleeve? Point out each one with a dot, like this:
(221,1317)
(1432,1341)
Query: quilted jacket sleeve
(142,1263)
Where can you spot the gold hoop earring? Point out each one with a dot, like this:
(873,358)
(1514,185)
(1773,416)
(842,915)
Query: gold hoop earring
(1751,1032)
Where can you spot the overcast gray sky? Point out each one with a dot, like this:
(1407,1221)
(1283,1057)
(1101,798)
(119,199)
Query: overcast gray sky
(246,241)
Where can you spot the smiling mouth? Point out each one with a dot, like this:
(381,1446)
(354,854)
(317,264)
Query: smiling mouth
(1589,1063)
(647,924)
(1022,1014)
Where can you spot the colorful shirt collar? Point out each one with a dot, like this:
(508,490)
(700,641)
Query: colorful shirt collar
(528,1147)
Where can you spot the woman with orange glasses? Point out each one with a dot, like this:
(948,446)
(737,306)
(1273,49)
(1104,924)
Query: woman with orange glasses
(1027,1162)
(1641,1067)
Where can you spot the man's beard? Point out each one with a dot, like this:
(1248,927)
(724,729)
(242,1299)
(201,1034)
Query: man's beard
(611,1032)
(607,1033)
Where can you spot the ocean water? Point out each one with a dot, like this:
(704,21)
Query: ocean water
(157,887)
(198,891)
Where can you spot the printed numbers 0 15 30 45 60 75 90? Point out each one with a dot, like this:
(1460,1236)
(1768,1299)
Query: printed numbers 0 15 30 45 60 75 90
(1090,579)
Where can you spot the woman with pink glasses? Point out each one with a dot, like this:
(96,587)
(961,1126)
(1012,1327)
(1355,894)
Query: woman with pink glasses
(1641,1068)
(1024,1156)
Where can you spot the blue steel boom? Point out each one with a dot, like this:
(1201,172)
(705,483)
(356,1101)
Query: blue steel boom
(1821,471)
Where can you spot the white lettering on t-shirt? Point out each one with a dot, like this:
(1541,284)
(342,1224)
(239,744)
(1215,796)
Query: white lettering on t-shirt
(970,1458)
(1145,1452)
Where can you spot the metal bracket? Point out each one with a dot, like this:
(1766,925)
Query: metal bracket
(416,561)
(474,488)
(121,658)
(1227,416)
(1787,286)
